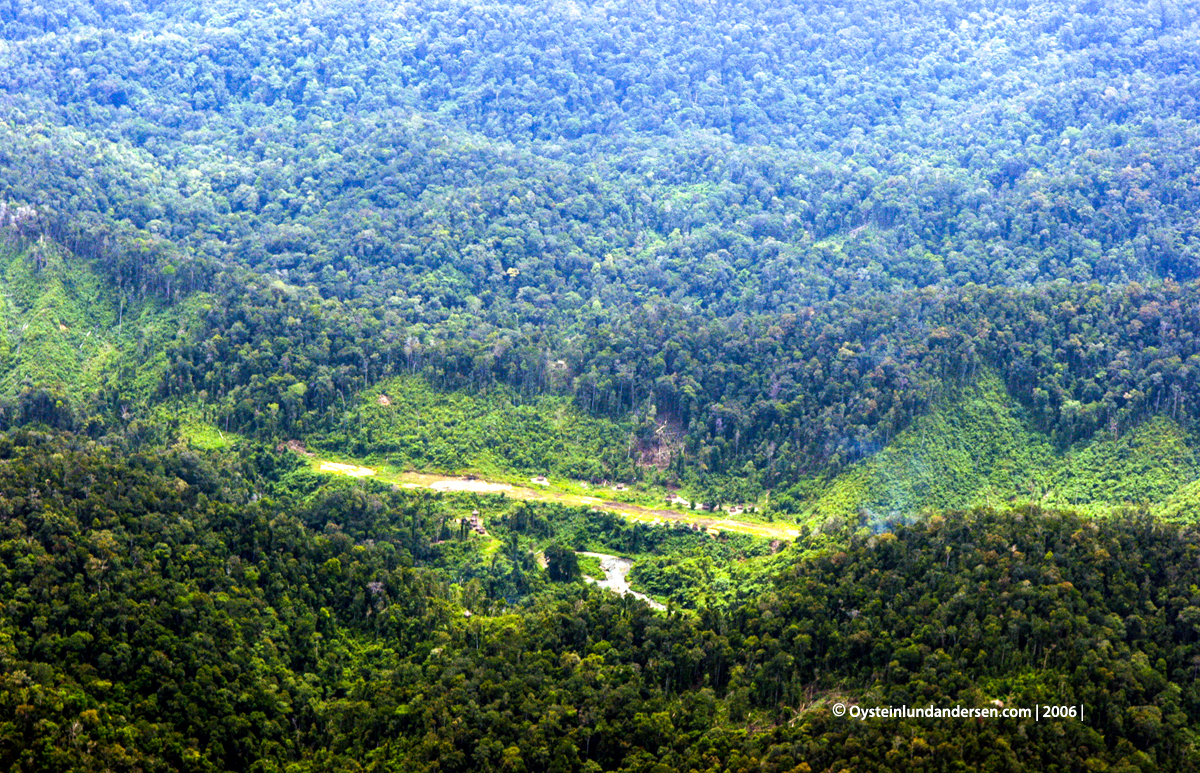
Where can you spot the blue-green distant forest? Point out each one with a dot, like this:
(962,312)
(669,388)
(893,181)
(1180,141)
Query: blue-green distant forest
(920,281)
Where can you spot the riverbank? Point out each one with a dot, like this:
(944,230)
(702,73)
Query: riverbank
(616,577)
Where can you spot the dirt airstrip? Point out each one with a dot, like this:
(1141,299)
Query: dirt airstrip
(549,494)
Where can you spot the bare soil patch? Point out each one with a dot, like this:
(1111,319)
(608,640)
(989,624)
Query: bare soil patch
(459,484)
(295,446)
(660,448)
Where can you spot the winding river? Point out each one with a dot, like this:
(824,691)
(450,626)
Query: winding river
(616,572)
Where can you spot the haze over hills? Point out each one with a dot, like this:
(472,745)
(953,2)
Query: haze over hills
(916,282)
(473,192)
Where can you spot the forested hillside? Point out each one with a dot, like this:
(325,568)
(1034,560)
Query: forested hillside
(917,284)
(512,192)
(156,617)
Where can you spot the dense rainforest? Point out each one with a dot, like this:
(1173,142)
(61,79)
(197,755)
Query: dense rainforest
(159,616)
(916,285)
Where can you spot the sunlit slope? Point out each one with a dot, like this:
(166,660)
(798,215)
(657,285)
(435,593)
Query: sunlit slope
(71,346)
(1151,466)
(977,448)
(59,324)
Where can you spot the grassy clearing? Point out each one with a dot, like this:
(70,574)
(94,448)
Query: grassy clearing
(207,437)
(194,425)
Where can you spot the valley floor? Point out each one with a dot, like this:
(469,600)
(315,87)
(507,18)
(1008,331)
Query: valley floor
(550,493)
